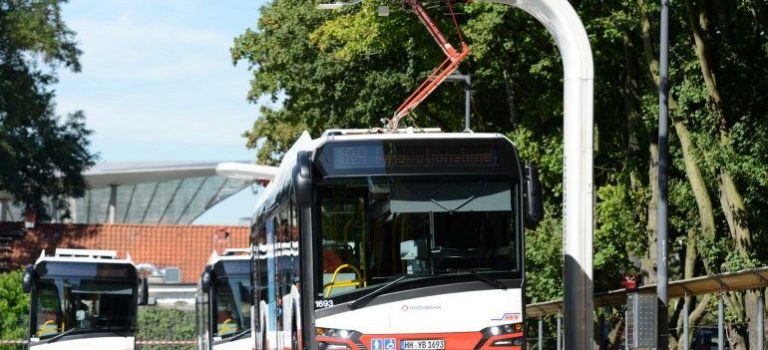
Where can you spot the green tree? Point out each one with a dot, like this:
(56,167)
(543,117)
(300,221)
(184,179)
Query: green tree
(42,154)
(349,68)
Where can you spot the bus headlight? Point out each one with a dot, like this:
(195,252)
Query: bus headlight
(331,346)
(334,333)
(336,339)
(509,342)
(503,329)
(504,335)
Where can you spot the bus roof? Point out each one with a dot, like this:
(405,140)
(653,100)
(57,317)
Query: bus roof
(409,136)
(229,255)
(84,255)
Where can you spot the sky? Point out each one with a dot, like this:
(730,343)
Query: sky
(158,83)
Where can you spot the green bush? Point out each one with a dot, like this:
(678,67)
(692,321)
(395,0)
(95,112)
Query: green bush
(165,324)
(14,308)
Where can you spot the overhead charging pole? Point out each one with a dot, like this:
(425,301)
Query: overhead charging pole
(562,22)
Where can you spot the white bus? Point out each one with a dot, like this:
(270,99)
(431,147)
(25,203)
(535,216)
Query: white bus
(83,299)
(223,302)
(405,240)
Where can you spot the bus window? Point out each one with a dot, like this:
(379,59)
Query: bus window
(375,229)
(343,243)
(48,310)
(233,305)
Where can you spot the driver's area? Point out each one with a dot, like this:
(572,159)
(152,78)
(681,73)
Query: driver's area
(375,229)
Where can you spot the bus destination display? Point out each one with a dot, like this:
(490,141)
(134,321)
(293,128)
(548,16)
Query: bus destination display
(68,269)
(356,158)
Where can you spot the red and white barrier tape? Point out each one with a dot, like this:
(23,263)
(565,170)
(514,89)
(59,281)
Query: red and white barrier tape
(165,342)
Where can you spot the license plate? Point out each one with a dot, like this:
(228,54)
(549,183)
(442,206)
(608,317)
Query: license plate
(423,344)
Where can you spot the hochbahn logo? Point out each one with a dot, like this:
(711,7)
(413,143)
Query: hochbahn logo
(508,317)
(421,308)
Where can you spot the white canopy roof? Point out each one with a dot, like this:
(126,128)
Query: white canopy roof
(152,192)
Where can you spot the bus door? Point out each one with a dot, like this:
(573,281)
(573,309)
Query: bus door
(281,233)
(271,326)
(261,288)
(287,277)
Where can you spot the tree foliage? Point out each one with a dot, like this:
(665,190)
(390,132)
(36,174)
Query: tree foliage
(14,306)
(42,155)
(350,68)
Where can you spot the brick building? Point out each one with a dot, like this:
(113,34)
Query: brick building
(186,247)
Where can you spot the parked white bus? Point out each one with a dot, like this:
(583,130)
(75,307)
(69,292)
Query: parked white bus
(223,302)
(394,241)
(83,299)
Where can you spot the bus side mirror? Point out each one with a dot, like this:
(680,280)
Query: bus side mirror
(205,281)
(302,179)
(143,291)
(27,278)
(534,204)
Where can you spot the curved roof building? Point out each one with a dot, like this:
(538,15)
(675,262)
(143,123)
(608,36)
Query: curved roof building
(174,193)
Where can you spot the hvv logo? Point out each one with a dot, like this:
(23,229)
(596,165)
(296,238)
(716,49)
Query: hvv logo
(508,317)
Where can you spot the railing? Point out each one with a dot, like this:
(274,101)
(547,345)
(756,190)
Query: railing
(755,279)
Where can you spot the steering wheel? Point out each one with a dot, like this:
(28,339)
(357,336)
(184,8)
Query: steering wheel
(225,324)
(357,282)
(45,324)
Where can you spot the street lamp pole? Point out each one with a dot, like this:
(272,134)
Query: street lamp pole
(662,277)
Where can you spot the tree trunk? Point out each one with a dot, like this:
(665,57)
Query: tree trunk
(695,317)
(700,192)
(648,264)
(510,97)
(692,169)
(731,200)
(632,111)
(691,257)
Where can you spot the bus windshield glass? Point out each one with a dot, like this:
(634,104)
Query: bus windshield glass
(233,305)
(64,304)
(375,229)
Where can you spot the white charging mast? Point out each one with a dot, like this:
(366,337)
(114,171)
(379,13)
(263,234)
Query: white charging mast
(565,26)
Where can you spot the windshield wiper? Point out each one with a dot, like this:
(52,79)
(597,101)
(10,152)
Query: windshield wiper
(489,281)
(474,273)
(68,332)
(112,329)
(58,336)
(365,299)
(238,335)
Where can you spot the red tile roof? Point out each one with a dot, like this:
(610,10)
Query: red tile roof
(187,247)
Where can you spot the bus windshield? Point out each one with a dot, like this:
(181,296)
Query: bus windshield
(374,229)
(64,304)
(233,305)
